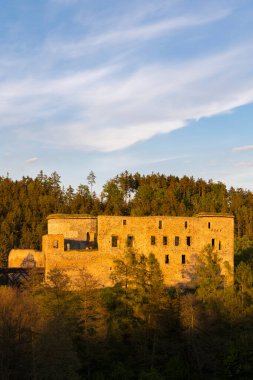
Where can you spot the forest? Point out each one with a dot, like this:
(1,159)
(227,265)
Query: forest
(137,329)
(26,203)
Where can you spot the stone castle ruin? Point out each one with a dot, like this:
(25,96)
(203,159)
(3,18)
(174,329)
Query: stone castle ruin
(76,242)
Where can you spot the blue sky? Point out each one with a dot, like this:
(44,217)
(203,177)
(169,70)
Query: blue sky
(109,86)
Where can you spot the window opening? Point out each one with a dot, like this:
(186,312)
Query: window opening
(167,259)
(152,240)
(213,242)
(183,259)
(124,222)
(160,224)
(185,224)
(130,240)
(209,225)
(114,241)
(219,245)
(165,240)
(88,236)
(176,240)
(188,241)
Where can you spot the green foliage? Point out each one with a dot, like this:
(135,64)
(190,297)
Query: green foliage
(206,274)
(243,250)
(151,375)
(113,198)
(25,204)
(91,178)
(244,280)
(135,330)
(56,355)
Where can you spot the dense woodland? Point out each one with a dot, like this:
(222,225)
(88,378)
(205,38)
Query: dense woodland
(137,329)
(25,204)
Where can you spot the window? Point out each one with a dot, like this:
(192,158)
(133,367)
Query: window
(219,245)
(165,240)
(88,236)
(115,241)
(124,222)
(176,240)
(130,240)
(152,240)
(183,259)
(160,224)
(55,244)
(185,224)
(188,240)
(167,259)
(213,242)
(209,225)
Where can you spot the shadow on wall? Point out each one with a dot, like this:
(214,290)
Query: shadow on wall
(29,261)
(76,245)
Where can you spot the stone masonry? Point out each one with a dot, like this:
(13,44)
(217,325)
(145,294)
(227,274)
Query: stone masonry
(76,242)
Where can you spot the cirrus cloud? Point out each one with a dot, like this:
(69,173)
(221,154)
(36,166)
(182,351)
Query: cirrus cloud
(96,92)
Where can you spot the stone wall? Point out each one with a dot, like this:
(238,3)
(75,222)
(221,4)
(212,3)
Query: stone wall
(175,242)
(73,226)
(158,234)
(26,258)
(73,262)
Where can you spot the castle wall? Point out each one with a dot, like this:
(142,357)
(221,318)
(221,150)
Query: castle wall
(72,226)
(158,234)
(175,242)
(221,229)
(27,258)
(73,262)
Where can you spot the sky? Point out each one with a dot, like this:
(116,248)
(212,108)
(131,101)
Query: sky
(140,85)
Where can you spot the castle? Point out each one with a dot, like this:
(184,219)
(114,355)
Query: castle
(75,242)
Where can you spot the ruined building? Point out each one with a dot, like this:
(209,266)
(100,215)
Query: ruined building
(74,242)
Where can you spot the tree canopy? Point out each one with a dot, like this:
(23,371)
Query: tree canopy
(25,203)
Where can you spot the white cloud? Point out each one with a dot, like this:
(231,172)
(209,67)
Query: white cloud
(112,106)
(132,33)
(31,161)
(244,164)
(109,108)
(243,148)
(153,30)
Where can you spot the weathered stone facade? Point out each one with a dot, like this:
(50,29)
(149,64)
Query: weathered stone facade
(77,241)
(26,258)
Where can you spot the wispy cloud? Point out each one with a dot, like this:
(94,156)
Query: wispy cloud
(69,95)
(108,108)
(244,164)
(31,161)
(153,30)
(135,34)
(243,148)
